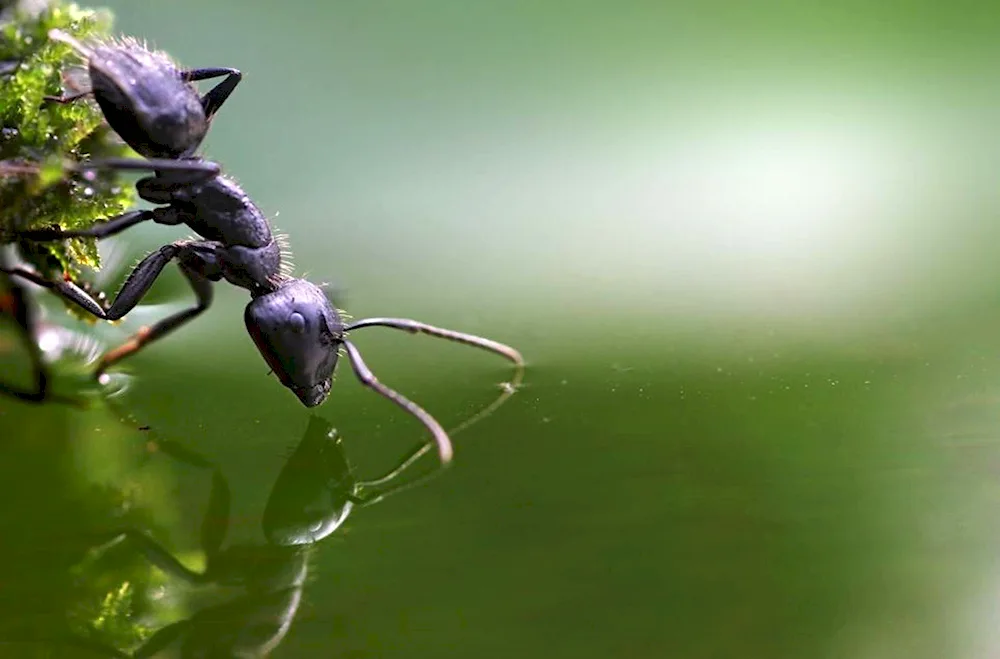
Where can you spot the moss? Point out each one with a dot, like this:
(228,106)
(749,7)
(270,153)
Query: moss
(89,598)
(38,137)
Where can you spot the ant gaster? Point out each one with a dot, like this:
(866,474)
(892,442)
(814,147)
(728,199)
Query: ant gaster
(146,98)
(293,324)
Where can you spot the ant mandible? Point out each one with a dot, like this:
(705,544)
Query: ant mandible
(297,330)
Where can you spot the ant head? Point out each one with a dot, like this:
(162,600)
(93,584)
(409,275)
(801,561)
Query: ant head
(298,332)
(146,101)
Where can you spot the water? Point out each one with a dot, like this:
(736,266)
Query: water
(754,282)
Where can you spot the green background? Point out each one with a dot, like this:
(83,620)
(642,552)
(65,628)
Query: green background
(748,249)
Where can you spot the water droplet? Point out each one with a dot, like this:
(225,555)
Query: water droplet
(48,341)
(116,384)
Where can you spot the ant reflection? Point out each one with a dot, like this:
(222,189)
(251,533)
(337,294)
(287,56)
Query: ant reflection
(314,493)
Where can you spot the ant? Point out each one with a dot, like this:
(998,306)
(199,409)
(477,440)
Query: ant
(297,330)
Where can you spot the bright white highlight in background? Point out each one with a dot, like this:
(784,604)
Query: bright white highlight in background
(808,206)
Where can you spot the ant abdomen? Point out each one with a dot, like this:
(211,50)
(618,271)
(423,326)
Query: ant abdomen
(146,101)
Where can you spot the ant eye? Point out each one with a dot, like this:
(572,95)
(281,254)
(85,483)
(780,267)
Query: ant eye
(296,322)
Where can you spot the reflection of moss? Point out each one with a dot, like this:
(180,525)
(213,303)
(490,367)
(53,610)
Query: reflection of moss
(111,596)
(34,131)
(54,588)
(71,478)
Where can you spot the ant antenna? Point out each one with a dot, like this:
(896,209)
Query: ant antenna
(368,379)
(507,390)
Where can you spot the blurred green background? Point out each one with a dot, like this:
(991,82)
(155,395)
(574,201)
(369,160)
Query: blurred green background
(748,249)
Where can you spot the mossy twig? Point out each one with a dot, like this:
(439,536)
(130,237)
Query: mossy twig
(37,138)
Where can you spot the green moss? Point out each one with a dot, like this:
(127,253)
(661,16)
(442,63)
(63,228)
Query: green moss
(39,137)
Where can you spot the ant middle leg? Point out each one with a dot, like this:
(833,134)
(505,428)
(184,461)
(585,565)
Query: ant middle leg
(204,294)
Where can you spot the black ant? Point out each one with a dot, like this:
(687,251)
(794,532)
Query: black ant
(293,324)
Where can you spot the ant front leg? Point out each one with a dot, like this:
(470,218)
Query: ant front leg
(213,100)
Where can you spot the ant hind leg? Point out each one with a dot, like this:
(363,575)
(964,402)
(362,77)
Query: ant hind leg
(218,95)
(203,293)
